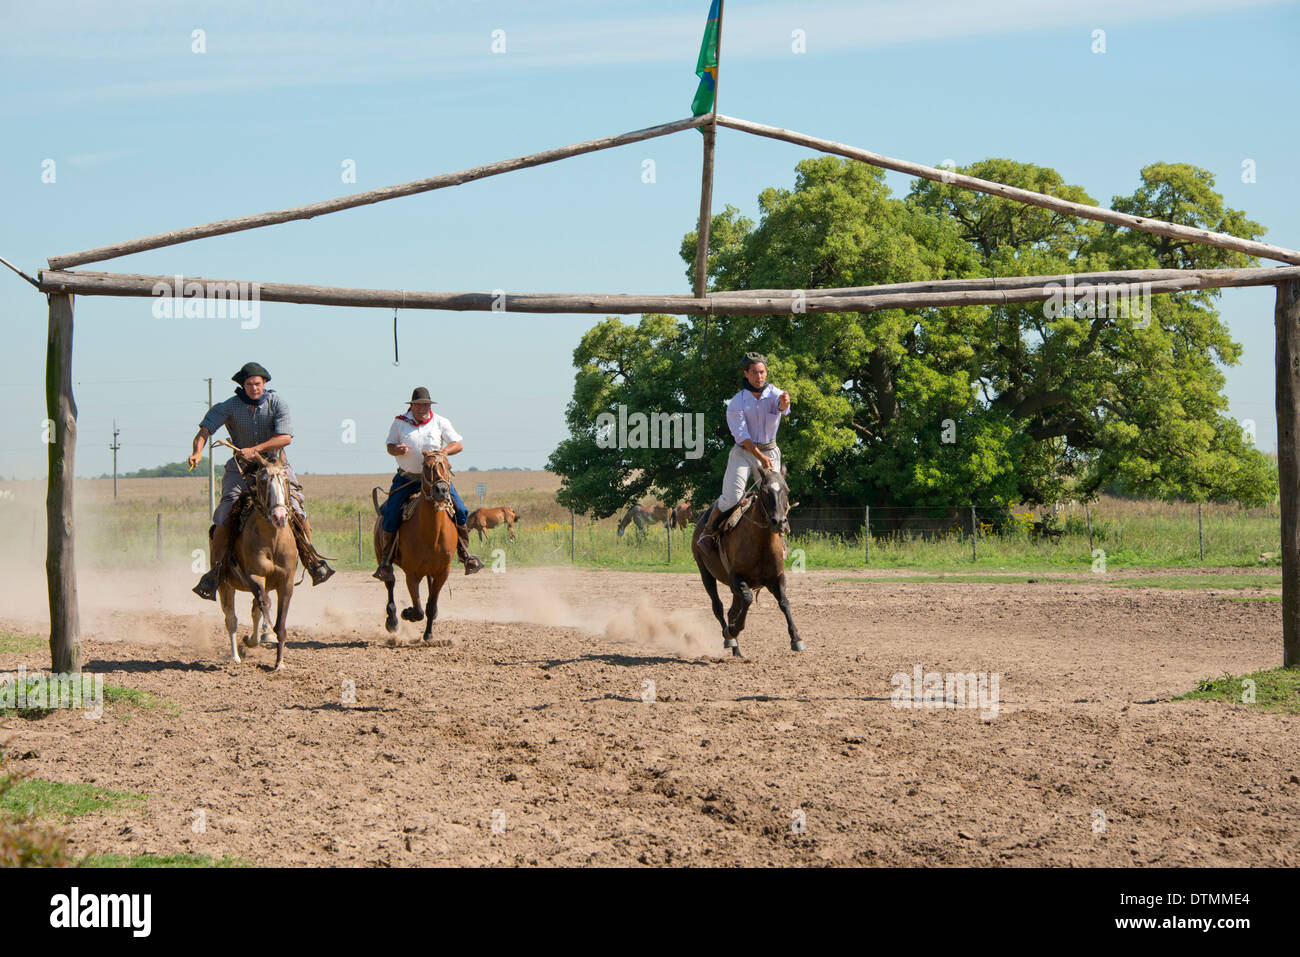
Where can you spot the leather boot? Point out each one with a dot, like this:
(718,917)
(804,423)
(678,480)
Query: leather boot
(219,540)
(387,545)
(317,567)
(472,564)
(708,536)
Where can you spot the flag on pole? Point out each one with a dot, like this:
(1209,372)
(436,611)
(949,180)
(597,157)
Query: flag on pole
(706,68)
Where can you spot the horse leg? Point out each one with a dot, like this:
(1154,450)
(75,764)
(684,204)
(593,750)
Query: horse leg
(711,586)
(796,643)
(742,598)
(226,594)
(415,612)
(390,611)
(436,581)
(250,640)
(281,622)
(263,599)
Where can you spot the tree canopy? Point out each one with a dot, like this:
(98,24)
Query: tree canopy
(989,404)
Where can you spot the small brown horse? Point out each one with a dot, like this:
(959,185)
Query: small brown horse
(748,557)
(482,519)
(265,559)
(641,516)
(682,517)
(426,543)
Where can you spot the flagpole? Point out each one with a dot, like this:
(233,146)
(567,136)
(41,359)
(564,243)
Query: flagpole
(706,185)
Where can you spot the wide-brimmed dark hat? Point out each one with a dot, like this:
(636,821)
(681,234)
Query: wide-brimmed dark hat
(251,368)
(421,395)
(752,358)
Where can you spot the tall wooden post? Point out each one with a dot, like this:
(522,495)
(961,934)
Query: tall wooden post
(60,564)
(1286,318)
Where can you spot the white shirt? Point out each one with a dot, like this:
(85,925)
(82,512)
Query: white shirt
(755,417)
(437,433)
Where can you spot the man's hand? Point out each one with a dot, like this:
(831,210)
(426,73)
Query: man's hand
(246,454)
(783,403)
(400,449)
(195,459)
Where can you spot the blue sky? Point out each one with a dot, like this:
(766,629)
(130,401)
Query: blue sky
(149,136)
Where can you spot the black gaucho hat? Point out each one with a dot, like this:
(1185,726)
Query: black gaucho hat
(251,368)
(752,358)
(421,394)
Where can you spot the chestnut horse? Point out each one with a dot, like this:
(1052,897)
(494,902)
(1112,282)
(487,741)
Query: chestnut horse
(748,557)
(681,517)
(264,559)
(485,518)
(426,543)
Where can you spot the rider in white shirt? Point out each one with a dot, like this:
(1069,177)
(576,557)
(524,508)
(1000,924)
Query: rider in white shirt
(753,415)
(412,433)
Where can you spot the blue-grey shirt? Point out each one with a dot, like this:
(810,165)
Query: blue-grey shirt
(247,424)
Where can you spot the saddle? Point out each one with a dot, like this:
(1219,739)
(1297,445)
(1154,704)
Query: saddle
(733,517)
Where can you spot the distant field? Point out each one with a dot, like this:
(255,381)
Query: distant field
(166,519)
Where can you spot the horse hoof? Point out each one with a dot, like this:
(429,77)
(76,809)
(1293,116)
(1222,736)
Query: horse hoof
(390,623)
(735,651)
(797,645)
(731,643)
(250,641)
(412,614)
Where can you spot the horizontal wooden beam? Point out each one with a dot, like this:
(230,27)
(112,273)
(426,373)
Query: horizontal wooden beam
(1098,213)
(221,227)
(764,302)
(1215,278)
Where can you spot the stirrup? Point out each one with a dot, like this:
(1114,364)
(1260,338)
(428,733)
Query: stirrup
(473,564)
(385,573)
(320,573)
(207,586)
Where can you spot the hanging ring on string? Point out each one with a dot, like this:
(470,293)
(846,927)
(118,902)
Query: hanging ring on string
(396,359)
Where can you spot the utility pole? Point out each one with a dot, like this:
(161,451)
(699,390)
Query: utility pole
(212,469)
(115,446)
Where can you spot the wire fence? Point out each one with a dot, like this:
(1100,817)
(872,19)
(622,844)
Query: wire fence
(1114,531)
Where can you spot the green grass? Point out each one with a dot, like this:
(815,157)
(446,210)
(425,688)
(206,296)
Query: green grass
(163,860)
(56,799)
(137,698)
(20,644)
(1179,582)
(1277,689)
(1252,597)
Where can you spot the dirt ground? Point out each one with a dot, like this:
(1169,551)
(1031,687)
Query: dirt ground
(530,739)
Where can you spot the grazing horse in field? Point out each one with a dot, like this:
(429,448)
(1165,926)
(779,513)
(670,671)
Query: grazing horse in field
(265,559)
(485,518)
(749,556)
(641,516)
(682,517)
(426,543)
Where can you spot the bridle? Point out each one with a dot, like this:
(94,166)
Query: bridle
(273,476)
(435,479)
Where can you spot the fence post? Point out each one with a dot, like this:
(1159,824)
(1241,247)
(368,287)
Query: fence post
(1200,531)
(670,542)
(573,526)
(158,540)
(866,537)
(1088,515)
(358,536)
(974,534)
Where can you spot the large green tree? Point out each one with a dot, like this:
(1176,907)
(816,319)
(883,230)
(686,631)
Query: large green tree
(936,406)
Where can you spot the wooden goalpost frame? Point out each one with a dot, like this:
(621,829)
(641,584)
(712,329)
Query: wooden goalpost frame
(61,284)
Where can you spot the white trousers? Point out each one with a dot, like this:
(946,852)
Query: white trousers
(739,465)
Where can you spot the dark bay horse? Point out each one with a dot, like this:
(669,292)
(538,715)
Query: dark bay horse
(748,557)
(641,516)
(265,559)
(482,519)
(426,543)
